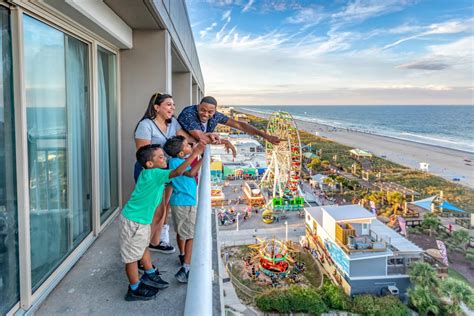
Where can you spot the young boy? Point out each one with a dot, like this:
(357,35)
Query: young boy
(137,215)
(183,202)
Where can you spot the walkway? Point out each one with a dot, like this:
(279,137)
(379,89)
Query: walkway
(97,284)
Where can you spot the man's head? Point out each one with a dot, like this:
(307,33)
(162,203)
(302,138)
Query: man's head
(178,146)
(151,156)
(206,108)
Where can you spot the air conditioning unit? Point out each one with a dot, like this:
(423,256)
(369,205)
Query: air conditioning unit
(393,290)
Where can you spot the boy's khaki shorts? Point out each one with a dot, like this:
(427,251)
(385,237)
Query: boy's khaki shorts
(184,218)
(134,239)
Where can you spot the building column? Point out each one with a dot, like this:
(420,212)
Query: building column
(182,90)
(145,70)
(195,99)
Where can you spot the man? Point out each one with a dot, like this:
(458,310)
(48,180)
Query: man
(203,118)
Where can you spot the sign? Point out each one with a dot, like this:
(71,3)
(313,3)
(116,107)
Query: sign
(443,251)
(403,226)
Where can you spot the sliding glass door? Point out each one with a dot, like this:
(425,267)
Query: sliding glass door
(9,274)
(58,123)
(108,132)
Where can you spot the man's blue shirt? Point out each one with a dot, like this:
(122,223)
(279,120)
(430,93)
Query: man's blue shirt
(189,120)
(184,188)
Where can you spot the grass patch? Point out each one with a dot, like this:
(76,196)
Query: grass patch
(458,276)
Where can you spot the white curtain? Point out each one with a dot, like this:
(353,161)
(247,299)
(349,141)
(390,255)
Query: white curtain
(78,156)
(103,133)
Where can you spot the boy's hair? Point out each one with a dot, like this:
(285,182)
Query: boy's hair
(145,153)
(174,145)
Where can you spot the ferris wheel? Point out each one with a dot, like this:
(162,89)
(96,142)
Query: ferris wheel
(284,159)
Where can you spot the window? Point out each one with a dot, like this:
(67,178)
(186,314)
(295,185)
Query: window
(9,274)
(252,149)
(108,133)
(58,125)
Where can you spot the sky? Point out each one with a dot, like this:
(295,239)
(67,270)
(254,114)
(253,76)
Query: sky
(357,52)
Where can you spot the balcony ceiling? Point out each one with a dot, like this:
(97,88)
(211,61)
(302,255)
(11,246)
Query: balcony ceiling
(135,13)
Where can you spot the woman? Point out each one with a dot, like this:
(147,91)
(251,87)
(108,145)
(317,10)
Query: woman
(156,127)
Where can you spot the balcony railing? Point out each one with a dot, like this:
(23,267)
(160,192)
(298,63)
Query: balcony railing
(199,294)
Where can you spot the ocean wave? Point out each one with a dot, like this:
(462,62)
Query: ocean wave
(381,130)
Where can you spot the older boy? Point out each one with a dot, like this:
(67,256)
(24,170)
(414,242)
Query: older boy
(137,216)
(183,202)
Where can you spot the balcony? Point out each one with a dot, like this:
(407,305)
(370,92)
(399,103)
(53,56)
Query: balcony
(97,283)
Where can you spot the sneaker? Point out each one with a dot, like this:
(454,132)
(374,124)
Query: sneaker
(142,293)
(182,275)
(163,248)
(154,280)
(142,269)
(181,259)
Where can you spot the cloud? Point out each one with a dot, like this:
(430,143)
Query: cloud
(425,65)
(226,15)
(307,16)
(248,6)
(359,10)
(204,32)
(450,27)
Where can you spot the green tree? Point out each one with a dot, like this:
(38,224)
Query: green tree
(457,292)
(315,162)
(422,274)
(340,180)
(395,200)
(424,300)
(430,222)
(461,237)
(325,164)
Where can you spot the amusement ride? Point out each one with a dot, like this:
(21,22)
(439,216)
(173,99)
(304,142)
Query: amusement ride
(284,167)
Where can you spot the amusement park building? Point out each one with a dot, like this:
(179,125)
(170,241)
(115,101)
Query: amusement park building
(358,251)
(76,78)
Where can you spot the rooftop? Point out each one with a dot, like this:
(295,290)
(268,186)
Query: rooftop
(344,213)
(397,241)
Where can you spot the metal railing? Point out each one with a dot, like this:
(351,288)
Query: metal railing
(199,293)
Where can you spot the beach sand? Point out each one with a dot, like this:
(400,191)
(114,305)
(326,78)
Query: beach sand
(443,162)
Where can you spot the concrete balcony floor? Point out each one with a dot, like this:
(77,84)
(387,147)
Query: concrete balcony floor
(97,284)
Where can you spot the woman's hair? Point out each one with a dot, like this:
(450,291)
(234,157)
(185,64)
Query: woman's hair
(150,112)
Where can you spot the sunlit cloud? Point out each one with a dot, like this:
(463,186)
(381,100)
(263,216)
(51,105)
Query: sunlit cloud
(248,6)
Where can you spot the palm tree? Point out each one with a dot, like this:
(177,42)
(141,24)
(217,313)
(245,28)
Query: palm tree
(462,237)
(422,274)
(395,200)
(314,163)
(457,292)
(340,180)
(430,222)
(424,300)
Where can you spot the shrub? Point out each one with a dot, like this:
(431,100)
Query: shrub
(391,306)
(334,297)
(294,299)
(364,304)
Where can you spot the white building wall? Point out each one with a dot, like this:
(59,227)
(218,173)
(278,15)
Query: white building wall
(146,69)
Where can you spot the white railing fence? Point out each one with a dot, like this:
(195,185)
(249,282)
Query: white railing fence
(199,293)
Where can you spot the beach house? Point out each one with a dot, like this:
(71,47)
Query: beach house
(77,76)
(359,252)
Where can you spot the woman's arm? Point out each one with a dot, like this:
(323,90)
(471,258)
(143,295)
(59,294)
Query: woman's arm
(141,142)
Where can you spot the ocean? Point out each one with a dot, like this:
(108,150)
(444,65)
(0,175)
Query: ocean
(446,126)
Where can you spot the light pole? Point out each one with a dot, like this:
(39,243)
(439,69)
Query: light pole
(237,216)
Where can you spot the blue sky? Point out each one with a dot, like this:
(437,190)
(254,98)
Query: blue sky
(276,52)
